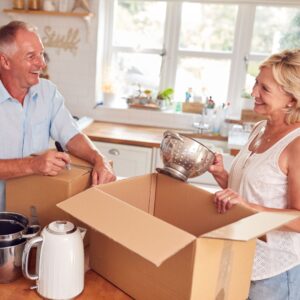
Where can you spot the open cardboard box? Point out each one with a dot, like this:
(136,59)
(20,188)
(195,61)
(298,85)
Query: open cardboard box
(158,238)
(44,192)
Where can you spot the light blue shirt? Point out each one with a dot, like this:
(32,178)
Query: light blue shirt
(27,129)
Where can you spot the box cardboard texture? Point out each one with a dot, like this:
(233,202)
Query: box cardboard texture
(44,192)
(158,238)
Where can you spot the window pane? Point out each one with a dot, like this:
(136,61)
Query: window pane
(206,77)
(139,24)
(207,27)
(275,29)
(252,72)
(133,69)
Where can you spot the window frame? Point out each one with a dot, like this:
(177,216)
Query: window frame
(239,56)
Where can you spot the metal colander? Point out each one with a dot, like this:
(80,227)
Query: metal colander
(184,157)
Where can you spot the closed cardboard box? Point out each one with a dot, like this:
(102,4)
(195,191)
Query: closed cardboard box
(44,192)
(158,238)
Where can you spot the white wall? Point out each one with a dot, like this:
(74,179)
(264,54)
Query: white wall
(74,74)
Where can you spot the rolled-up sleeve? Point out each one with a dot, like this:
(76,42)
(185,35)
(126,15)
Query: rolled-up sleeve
(63,126)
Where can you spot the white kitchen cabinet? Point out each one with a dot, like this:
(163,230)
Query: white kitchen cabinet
(127,160)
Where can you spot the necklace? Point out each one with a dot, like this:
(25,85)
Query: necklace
(256,144)
(259,139)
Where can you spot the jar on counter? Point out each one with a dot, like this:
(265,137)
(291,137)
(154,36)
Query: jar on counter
(49,5)
(34,4)
(18,4)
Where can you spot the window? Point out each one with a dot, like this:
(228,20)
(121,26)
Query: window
(274,29)
(212,48)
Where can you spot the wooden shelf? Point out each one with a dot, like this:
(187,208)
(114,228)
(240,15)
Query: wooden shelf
(51,13)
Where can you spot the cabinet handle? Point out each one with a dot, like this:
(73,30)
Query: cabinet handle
(114,152)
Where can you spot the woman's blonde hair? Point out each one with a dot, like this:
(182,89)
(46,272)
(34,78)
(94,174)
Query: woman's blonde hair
(286,71)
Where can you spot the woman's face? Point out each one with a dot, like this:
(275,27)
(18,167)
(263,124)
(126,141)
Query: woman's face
(269,97)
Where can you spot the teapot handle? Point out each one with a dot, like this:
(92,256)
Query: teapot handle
(25,257)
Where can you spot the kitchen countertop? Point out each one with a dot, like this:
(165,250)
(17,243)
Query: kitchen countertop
(96,288)
(135,135)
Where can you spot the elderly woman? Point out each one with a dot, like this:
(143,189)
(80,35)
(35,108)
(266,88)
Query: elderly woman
(265,176)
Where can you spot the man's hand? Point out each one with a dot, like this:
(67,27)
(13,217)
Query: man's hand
(102,172)
(81,146)
(49,163)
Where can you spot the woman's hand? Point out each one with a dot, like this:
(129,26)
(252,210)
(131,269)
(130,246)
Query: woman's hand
(218,166)
(218,171)
(226,199)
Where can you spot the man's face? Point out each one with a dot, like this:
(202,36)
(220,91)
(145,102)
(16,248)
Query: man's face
(27,59)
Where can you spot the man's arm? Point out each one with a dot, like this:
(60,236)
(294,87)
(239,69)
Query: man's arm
(82,147)
(48,163)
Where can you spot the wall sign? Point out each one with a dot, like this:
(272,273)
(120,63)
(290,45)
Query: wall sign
(67,42)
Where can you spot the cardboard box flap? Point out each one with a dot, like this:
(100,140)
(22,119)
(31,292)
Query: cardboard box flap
(252,226)
(140,232)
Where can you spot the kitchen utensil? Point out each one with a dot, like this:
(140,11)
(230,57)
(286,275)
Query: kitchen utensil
(14,231)
(15,226)
(59,260)
(184,157)
(11,260)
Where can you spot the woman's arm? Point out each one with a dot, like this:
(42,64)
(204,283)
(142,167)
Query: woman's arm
(290,157)
(289,163)
(227,198)
(218,171)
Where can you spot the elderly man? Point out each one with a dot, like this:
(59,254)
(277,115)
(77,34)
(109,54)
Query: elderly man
(32,110)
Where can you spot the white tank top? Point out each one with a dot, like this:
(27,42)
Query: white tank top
(259,179)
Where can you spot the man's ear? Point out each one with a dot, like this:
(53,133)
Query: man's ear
(4,62)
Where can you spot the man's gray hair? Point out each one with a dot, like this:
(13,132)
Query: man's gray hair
(8,34)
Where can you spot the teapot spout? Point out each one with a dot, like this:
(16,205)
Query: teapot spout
(82,232)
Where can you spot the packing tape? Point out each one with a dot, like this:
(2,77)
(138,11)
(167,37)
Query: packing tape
(225,270)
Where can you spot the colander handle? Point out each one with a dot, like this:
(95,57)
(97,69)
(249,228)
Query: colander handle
(172,134)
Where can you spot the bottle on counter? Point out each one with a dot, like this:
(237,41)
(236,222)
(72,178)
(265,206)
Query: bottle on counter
(189,95)
(224,128)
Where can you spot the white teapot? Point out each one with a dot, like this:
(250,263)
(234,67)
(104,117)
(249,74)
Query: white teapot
(59,261)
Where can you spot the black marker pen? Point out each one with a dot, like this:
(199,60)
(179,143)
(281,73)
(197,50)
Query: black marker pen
(59,148)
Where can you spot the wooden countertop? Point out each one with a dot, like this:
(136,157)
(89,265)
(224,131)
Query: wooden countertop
(96,288)
(135,135)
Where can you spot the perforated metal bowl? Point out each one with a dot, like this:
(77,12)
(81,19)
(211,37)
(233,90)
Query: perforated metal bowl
(184,157)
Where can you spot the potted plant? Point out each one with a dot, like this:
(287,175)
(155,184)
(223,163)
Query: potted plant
(164,97)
